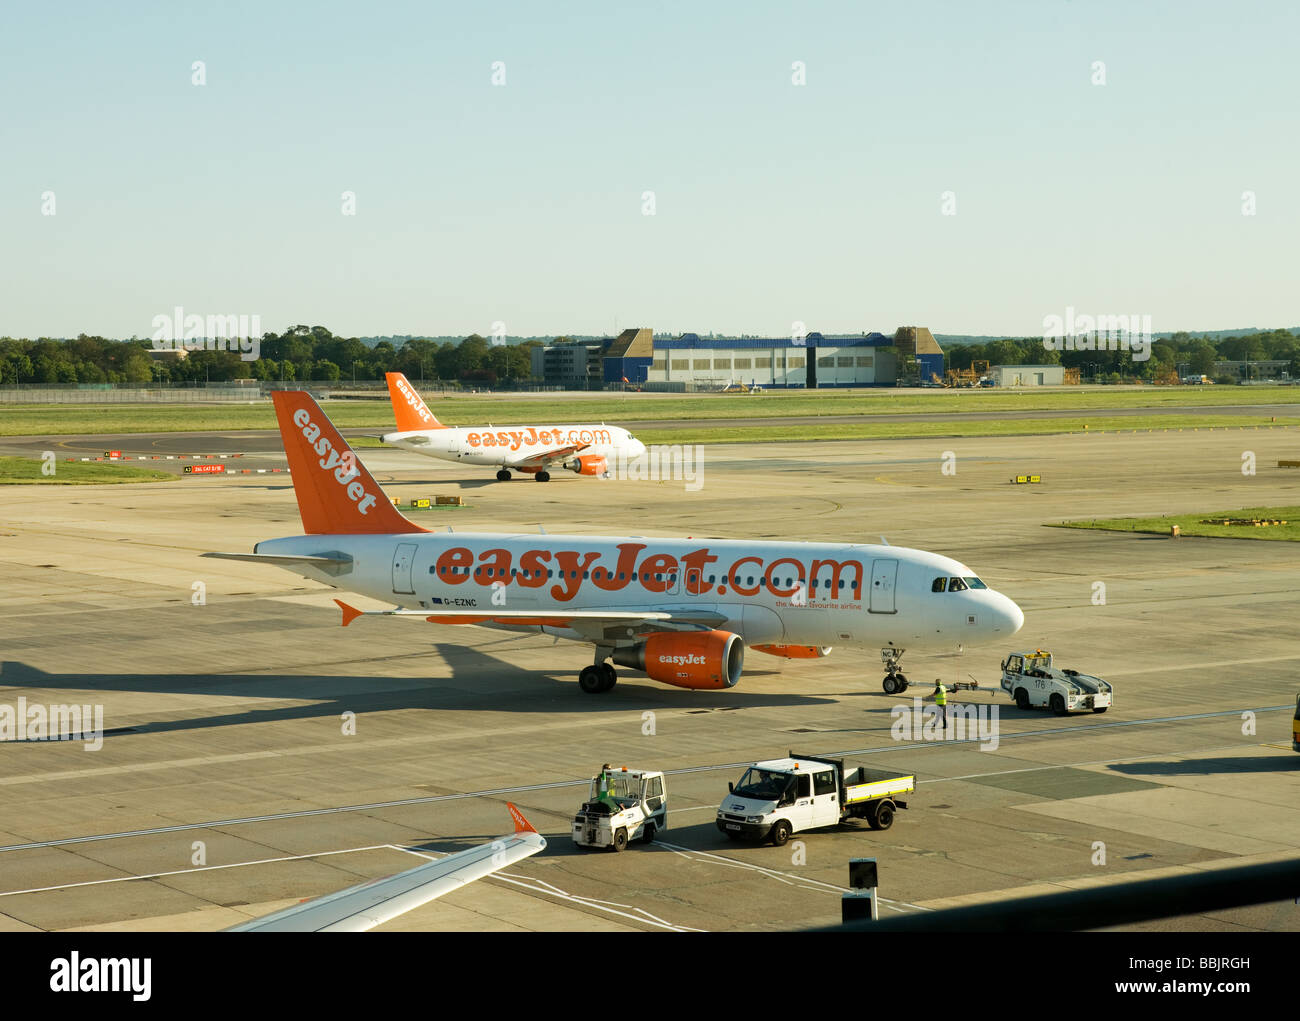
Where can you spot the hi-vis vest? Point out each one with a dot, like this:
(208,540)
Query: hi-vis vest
(940,695)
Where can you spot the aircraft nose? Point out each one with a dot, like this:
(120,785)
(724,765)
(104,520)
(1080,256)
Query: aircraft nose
(1010,616)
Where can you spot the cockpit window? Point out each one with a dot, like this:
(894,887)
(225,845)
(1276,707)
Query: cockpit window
(940,585)
(974,583)
(956,585)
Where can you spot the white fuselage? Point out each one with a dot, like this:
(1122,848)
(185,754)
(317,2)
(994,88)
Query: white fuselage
(777,593)
(510,446)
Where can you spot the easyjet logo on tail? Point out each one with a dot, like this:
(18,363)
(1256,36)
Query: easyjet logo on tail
(408,407)
(336,494)
(342,464)
(414,400)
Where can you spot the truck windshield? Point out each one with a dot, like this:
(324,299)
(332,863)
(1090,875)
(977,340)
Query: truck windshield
(763,785)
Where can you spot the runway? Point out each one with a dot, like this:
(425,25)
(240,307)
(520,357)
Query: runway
(228,785)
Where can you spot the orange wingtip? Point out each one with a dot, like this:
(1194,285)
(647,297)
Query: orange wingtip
(350,613)
(522,825)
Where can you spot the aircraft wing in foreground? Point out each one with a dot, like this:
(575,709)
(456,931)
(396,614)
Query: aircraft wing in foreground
(363,907)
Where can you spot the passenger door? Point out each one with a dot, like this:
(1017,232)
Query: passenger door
(403,557)
(883,575)
(826,798)
(800,813)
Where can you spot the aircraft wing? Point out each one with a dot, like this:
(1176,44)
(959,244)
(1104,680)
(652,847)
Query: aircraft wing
(590,624)
(546,457)
(359,908)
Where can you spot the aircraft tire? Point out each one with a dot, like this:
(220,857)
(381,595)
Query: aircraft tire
(592,680)
(503,476)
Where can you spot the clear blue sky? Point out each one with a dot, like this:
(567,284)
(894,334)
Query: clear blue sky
(523,203)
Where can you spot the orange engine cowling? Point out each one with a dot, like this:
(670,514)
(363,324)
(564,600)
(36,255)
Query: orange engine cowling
(588,464)
(794,651)
(688,659)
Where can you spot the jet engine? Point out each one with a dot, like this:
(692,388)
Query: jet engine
(688,659)
(588,464)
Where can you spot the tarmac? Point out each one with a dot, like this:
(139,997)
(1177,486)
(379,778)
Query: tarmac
(256,754)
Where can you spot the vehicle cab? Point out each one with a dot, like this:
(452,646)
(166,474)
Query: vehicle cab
(800,795)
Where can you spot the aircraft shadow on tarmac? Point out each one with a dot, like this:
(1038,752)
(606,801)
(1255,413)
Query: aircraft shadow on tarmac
(477,683)
(1281,762)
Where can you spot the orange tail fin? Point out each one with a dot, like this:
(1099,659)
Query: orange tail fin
(336,495)
(409,409)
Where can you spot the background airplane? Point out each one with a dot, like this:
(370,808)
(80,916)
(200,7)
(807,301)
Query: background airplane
(585,449)
(681,610)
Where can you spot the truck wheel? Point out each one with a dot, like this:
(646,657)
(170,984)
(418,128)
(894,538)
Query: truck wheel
(780,833)
(648,833)
(1057,702)
(1101,710)
(883,817)
(620,839)
(1022,698)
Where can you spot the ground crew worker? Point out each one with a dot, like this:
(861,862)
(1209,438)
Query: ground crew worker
(605,788)
(941,701)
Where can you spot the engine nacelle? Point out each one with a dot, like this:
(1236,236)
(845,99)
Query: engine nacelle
(588,464)
(794,651)
(688,659)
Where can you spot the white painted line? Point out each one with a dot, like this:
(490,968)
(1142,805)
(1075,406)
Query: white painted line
(204,868)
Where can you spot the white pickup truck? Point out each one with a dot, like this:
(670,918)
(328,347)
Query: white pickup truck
(1030,678)
(783,796)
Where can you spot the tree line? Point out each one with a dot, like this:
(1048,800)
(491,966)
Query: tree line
(1196,354)
(299,354)
(304,353)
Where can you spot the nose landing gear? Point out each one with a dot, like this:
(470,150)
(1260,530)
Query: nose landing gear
(895,681)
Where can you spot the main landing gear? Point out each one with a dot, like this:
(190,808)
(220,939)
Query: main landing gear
(543,476)
(895,682)
(597,678)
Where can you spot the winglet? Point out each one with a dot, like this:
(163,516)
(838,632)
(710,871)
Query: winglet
(522,825)
(350,613)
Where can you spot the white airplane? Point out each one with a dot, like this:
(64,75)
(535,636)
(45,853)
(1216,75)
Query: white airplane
(359,908)
(585,449)
(681,610)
